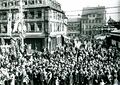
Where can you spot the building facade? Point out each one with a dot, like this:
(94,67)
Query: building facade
(114,39)
(74,27)
(93,19)
(44,21)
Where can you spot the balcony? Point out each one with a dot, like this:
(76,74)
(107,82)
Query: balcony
(34,35)
(32,20)
(4,35)
(3,21)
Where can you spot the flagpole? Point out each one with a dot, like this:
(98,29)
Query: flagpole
(21,16)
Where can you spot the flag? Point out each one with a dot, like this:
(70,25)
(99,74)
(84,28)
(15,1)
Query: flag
(17,20)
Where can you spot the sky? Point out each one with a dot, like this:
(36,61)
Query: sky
(70,7)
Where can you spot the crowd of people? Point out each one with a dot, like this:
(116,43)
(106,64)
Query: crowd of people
(90,64)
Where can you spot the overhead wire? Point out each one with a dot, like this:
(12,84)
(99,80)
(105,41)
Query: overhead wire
(92,8)
(102,13)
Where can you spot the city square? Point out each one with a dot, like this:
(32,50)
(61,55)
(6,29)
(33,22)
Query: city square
(42,44)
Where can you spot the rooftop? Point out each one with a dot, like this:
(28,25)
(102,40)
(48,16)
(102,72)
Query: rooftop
(89,10)
(73,19)
(14,4)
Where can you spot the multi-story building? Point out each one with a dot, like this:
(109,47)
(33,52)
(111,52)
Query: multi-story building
(44,21)
(93,19)
(114,38)
(74,27)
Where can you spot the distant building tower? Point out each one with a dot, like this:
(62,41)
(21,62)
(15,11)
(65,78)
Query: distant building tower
(93,19)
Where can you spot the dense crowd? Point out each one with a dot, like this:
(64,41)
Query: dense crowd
(91,64)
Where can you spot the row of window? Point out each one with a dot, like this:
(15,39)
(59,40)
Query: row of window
(33,14)
(17,3)
(34,27)
(94,15)
(74,24)
(30,2)
(95,32)
(56,15)
(27,14)
(54,4)
(73,28)
(92,21)
(92,26)
(31,27)
(56,27)
(89,26)
(73,35)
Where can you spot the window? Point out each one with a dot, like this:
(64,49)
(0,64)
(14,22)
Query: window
(54,14)
(39,1)
(82,21)
(99,21)
(58,28)
(89,21)
(96,21)
(32,27)
(4,16)
(99,15)
(25,15)
(54,27)
(39,13)
(31,2)
(17,3)
(25,2)
(4,4)
(10,3)
(46,14)
(86,26)
(51,27)
(90,15)
(4,28)
(39,26)
(50,13)
(31,14)
(12,26)
(90,27)
(93,15)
